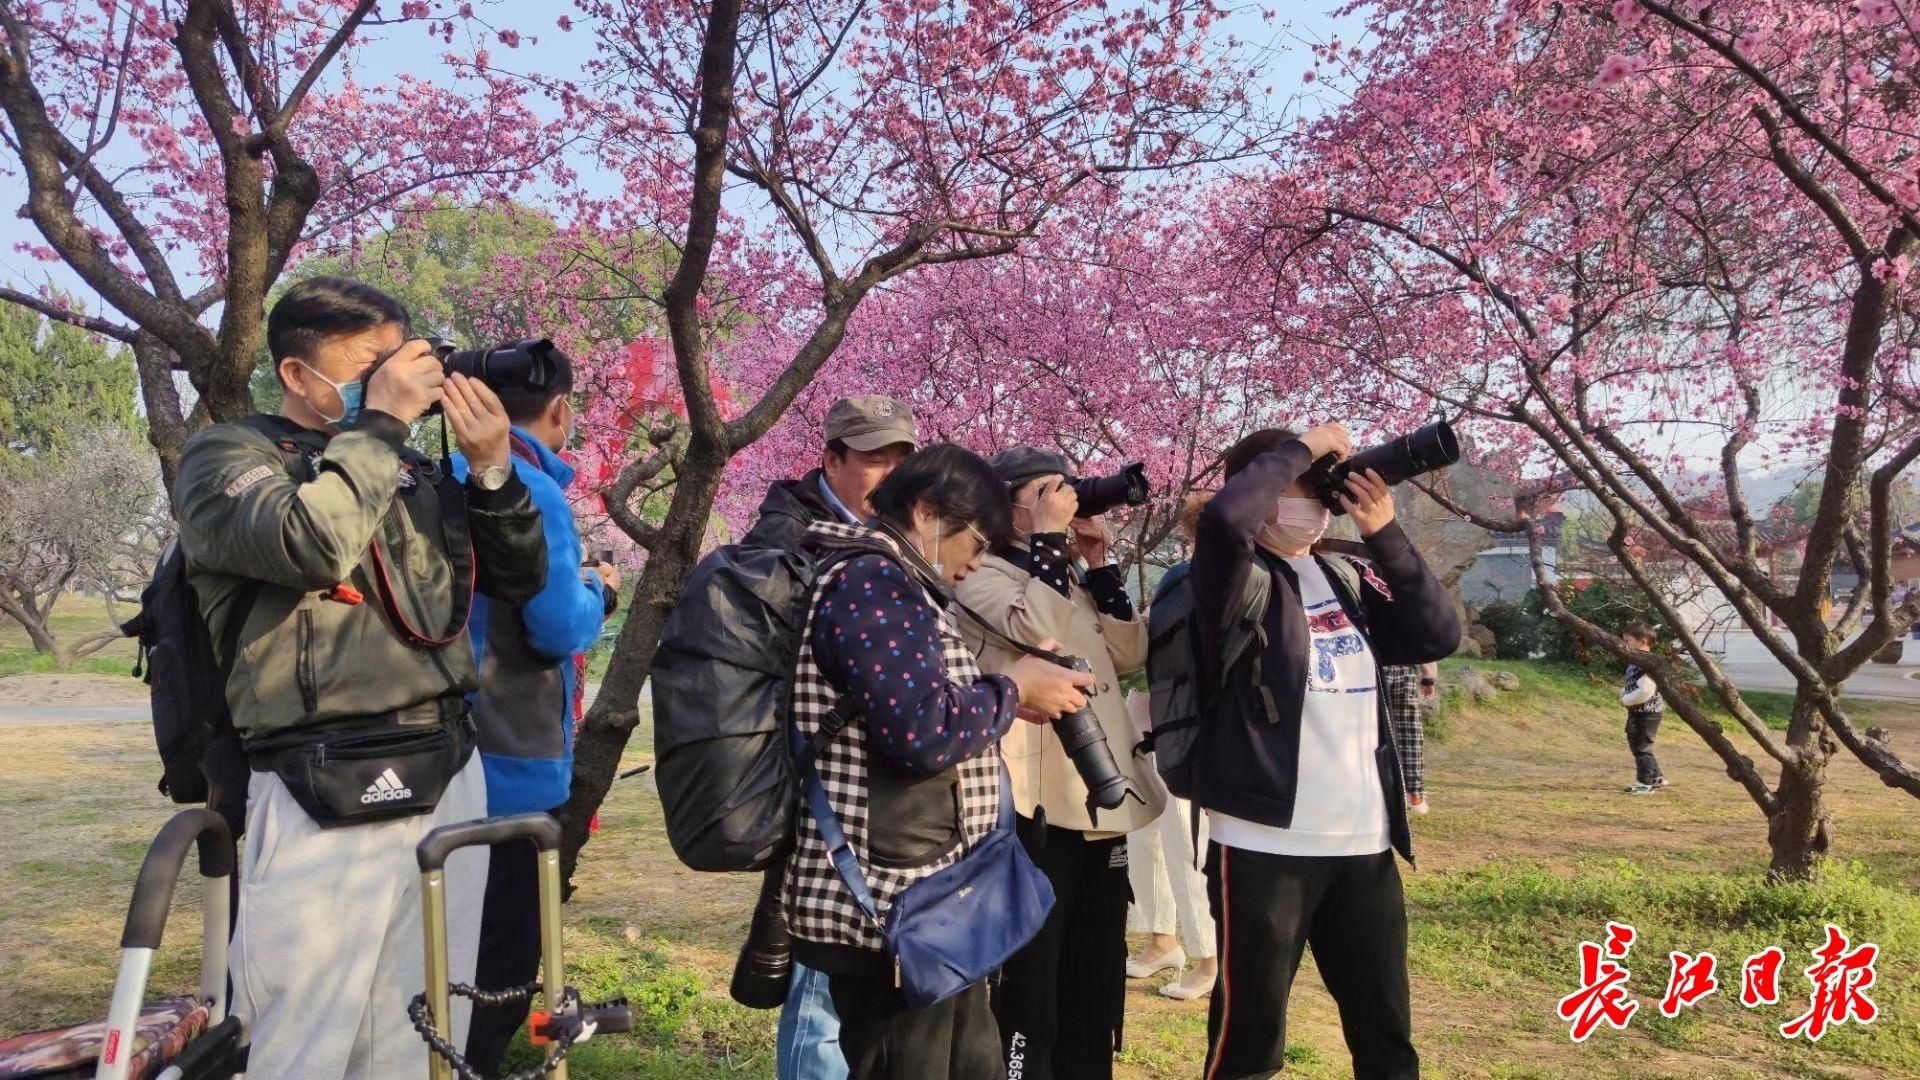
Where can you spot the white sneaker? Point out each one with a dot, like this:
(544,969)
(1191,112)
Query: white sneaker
(1144,968)
(1417,805)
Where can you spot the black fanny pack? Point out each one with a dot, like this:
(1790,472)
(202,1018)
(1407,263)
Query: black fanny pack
(368,771)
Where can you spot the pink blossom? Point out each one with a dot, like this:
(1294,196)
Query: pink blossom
(1628,13)
(1878,12)
(1614,69)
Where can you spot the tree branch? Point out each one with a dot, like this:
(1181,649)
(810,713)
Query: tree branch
(66,315)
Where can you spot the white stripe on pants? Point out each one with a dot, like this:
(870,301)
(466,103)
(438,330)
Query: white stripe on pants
(327,950)
(1167,891)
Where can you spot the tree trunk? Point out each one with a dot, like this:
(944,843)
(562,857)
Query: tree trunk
(610,722)
(38,634)
(1801,828)
(167,424)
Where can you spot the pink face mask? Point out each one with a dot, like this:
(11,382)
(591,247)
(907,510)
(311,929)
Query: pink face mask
(1295,525)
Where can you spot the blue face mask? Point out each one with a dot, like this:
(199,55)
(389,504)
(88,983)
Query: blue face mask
(352,394)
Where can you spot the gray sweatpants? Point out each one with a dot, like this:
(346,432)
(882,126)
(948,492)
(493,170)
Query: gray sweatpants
(327,950)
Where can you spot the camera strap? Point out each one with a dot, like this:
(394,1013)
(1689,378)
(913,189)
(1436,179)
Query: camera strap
(458,543)
(1016,646)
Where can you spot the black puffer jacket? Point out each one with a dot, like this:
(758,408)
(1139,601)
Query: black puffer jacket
(789,508)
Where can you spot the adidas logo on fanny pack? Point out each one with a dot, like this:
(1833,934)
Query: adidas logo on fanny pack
(386,789)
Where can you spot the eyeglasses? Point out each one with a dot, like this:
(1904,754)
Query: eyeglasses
(980,539)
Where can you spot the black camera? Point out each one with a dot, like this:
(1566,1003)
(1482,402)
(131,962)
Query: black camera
(1099,494)
(765,968)
(1086,746)
(1432,447)
(522,365)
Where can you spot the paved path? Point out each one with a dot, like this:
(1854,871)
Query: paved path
(135,713)
(1752,667)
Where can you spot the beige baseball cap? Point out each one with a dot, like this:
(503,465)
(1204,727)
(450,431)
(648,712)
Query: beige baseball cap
(871,421)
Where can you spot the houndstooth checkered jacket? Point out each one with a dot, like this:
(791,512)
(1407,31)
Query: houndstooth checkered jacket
(1404,708)
(819,907)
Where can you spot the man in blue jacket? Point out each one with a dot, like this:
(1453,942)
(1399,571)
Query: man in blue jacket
(526,660)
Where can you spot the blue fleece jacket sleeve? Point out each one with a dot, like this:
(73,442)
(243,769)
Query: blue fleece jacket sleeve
(565,616)
(878,640)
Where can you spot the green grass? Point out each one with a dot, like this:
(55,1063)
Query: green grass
(1493,929)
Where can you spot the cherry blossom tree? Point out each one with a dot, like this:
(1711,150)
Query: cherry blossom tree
(178,157)
(1615,239)
(1097,345)
(838,146)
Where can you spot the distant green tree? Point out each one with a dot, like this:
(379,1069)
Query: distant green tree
(1803,503)
(58,382)
(478,276)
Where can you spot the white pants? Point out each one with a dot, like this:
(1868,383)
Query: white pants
(1168,893)
(327,950)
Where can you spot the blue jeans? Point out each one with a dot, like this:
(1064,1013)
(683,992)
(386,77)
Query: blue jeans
(809,1039)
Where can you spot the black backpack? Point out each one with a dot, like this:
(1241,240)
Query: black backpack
(722,686)
(1177,701)
(201,760)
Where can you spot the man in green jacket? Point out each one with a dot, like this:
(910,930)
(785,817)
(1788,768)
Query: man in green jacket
(334,567)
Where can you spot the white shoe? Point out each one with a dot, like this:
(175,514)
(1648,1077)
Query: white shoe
(1173,959)
(1417,805)
(1186,988)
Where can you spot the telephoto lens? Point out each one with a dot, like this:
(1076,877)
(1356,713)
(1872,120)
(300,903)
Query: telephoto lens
(1414,454)
(1086,746)
(765,967)
(522,365)
(1099,494)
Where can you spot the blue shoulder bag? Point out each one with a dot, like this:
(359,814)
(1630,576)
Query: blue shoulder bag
(954,927)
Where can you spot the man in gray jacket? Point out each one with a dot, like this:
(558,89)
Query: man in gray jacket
(339,564)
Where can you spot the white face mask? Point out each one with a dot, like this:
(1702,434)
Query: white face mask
(352,393)
(1295,525)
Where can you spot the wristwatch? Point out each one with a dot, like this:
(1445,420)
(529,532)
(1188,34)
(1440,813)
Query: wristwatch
(492,478)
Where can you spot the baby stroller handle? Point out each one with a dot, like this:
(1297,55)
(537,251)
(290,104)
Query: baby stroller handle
(432,853)
(447,839)
(147,920)
(153,890)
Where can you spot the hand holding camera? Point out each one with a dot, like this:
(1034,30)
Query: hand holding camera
(1369,501)
(408,383)
(1090,542)
(1054,507)
(1329,439)
(478,420)
(1048,690)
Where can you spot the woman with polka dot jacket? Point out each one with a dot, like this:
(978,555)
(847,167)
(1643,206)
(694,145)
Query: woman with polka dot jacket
(915,778)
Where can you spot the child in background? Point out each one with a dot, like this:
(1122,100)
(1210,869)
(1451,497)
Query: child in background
(1644,708)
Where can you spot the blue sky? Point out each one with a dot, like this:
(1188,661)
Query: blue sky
(556,51)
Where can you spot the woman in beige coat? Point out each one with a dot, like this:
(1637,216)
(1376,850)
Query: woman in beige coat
(1061,998)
